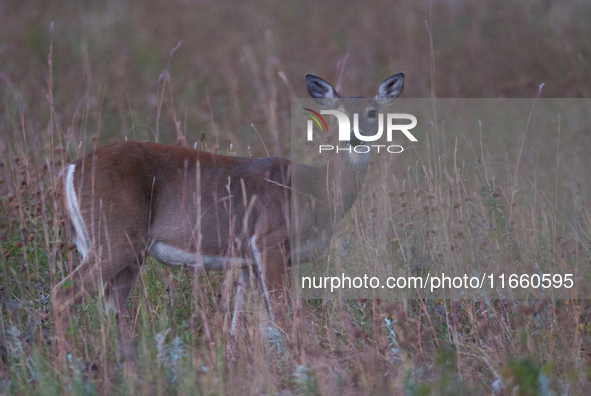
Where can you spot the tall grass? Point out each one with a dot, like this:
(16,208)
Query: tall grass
(442,204)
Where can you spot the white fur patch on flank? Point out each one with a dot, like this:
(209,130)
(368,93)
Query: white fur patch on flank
(82,240)
(174,257)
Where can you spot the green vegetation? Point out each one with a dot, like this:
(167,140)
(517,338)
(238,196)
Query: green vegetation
(450,201)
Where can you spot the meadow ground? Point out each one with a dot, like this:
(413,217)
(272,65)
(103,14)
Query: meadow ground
(76,75)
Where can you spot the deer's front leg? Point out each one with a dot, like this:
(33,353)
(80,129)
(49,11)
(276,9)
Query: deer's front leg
(271,257)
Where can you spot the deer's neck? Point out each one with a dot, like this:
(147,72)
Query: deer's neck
(322,196)
(344,176)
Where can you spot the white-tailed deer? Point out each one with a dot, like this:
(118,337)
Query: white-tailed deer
(127,200)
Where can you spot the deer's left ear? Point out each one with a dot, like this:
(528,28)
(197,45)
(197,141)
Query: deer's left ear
(324,94)
(390,89)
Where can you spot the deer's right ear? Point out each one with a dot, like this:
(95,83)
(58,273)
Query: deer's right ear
(322,91)
(390,89)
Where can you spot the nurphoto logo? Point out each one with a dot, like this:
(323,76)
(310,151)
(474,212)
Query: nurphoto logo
(357,136)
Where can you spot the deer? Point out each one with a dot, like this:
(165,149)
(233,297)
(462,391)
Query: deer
(129,200)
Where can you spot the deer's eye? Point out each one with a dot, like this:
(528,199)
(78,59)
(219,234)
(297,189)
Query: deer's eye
(371,114)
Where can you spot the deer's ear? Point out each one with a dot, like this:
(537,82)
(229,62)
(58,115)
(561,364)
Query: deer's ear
(390,89)
(322,91)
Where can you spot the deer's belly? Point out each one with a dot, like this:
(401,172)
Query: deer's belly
(174,257)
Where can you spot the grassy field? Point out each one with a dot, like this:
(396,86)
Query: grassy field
(75,75)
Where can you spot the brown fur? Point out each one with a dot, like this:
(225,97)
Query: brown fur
(132,194)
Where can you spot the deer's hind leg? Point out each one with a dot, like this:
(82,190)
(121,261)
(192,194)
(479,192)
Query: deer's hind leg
(86,279)
(119,288)
(117,292)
